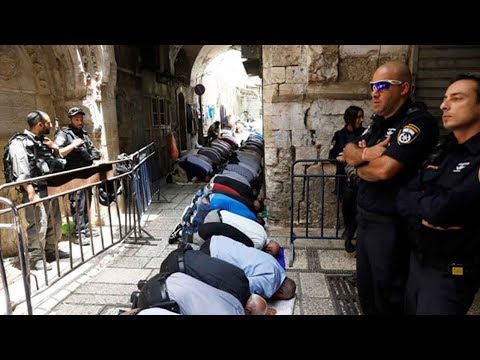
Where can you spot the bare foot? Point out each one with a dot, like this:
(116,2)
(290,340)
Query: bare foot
(271,311)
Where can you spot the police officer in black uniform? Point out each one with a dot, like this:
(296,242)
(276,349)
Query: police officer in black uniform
(32,155)
(441,205)
(78,150)
(390,152)
(347,188)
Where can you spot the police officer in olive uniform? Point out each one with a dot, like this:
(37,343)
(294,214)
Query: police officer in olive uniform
(390,152)
(441,205)
(347,188)
(32,155)
(77,148)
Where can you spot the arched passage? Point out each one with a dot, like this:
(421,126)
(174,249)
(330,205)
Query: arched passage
(232,87)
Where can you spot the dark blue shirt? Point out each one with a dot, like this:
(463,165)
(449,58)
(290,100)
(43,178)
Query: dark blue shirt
(341,138)
(446,192)
(414,133)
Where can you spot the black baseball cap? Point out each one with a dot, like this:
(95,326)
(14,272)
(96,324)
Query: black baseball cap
(75,111)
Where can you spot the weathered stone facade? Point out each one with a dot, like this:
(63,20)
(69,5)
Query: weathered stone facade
(53,78)
(306,90)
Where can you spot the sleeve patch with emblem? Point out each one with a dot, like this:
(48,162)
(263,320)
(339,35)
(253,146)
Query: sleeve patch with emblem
(408,134)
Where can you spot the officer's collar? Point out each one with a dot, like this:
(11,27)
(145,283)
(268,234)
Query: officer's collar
(473,144)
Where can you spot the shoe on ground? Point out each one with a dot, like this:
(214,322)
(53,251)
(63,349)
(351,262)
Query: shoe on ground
(95,233)
(176,234)
(39,265)
(349,247)
(50,255)
(84,242)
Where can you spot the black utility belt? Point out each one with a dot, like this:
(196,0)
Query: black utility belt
(453,269)
(457,269)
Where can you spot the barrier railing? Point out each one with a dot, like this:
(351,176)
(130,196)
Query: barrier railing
(311,206)
(137,190)
(144,187)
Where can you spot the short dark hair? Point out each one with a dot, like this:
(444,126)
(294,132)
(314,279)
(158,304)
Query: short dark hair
(34,117)
(351,113)
(286,291)
(469,76)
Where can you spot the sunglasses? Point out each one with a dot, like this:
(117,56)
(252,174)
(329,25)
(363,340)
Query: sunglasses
(381,85)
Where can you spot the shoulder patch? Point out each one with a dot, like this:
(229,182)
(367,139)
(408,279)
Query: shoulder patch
(408,134)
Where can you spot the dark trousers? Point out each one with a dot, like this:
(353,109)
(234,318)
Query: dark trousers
(430,291)
(206,247)
(78,206)
(382,265)
(349,208)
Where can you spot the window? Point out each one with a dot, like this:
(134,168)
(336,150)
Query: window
(160,112)
(155,113)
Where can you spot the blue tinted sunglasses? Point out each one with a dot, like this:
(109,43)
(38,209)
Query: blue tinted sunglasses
(381,85)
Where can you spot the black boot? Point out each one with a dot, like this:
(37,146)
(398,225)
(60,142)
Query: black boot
(176,234)
(348,235)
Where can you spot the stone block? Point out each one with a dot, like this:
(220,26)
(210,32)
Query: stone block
(71,309)
(271,157)
(302,138)
(323,63)
(121,276)
(306,152)
(282,138)
(357,50)
(314,285)
(315,306)
(106,289)
(283,55)
(134,262)
(270,92)
(296,75)
(358,68)
(274,75)
(291,91)
(336,260)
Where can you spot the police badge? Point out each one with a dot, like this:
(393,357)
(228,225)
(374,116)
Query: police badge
(407,134)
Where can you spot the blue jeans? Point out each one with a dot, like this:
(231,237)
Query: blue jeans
(78,207)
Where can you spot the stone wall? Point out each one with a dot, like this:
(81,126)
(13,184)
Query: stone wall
(306,89)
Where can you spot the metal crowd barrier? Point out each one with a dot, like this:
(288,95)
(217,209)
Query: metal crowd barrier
(145,187)
(309,201)
(137,190)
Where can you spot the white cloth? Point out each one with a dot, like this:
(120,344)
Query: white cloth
(251,228)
